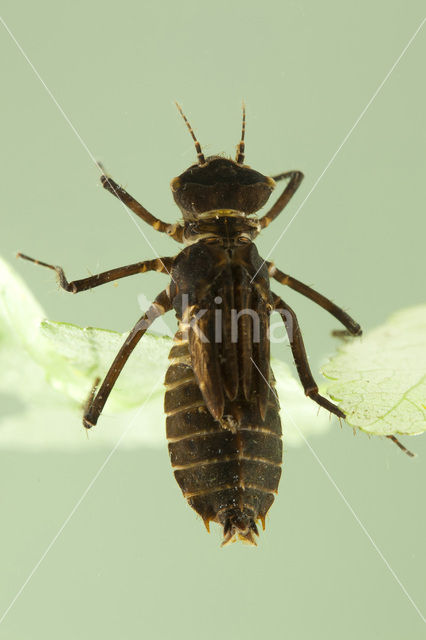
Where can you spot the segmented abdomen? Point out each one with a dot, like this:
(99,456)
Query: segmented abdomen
(229,471)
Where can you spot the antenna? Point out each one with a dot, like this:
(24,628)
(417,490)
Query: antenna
(200,154)
(241,144)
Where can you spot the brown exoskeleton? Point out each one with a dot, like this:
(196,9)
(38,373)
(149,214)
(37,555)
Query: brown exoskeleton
(223,424)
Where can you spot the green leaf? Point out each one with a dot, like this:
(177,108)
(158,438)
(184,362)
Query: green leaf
(380,379)
(20,313)
(73,357)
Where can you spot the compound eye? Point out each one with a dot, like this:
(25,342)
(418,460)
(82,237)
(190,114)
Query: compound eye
(175,184)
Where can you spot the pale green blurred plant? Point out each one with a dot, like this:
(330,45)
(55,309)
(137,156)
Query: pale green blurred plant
(380,380)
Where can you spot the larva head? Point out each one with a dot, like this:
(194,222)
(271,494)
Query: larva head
(220,184)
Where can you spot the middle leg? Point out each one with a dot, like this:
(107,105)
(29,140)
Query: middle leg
(353,327)
(163,265)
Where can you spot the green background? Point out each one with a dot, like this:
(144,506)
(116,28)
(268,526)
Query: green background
(134,561)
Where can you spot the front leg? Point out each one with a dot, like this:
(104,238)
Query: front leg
(296,178)
(300,357)
(163,265)
(175,231)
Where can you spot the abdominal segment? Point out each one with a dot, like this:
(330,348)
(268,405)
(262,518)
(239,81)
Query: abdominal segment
(227,469)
